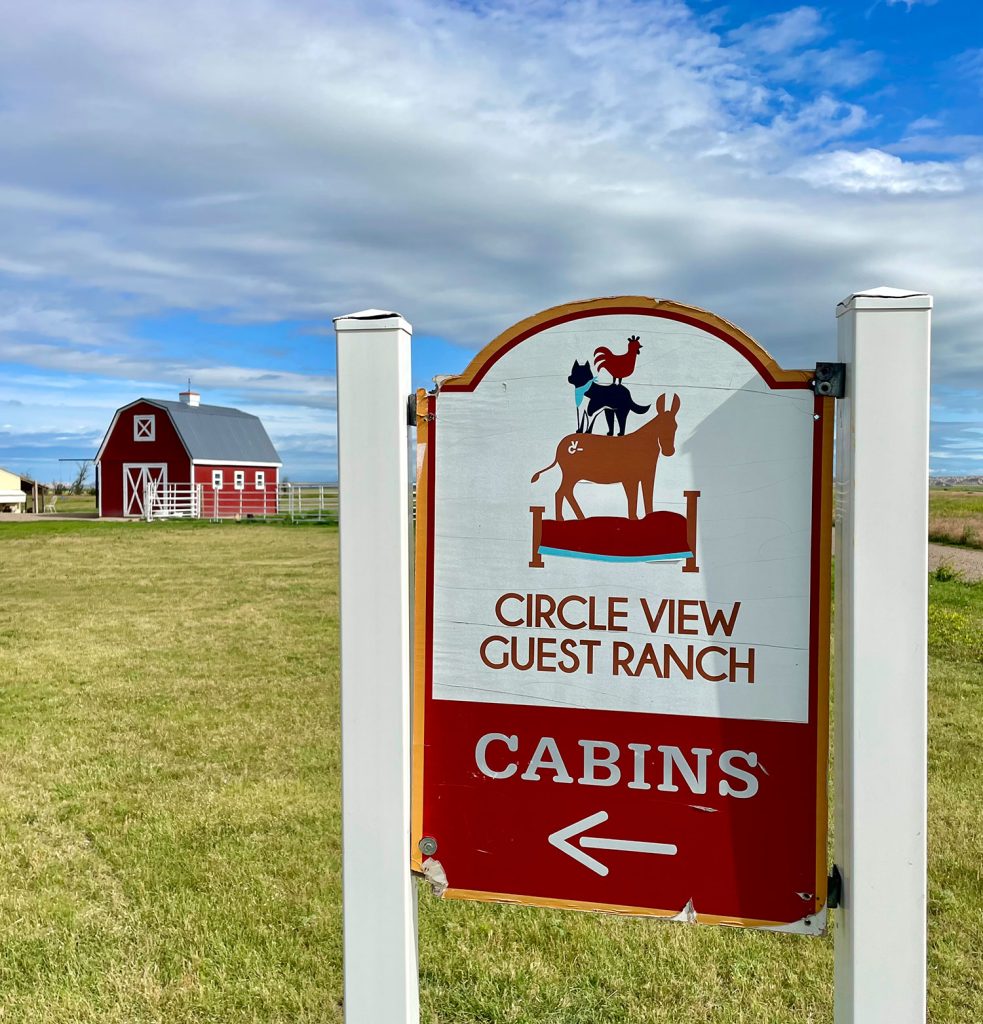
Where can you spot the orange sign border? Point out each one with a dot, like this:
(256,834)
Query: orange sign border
(822,528)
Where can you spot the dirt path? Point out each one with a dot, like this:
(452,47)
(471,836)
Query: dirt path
(968,561)
(57,517)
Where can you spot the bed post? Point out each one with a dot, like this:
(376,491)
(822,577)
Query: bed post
(537,535)
(691,499)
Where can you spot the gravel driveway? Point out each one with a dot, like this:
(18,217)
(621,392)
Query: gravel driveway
(969,561)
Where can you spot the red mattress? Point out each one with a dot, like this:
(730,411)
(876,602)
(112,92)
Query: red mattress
(660,535)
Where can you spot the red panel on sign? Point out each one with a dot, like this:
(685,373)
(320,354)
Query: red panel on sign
(494,833)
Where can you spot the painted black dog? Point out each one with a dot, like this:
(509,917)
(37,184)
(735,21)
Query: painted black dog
(614,399)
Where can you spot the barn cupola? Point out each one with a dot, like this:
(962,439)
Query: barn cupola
(190,397)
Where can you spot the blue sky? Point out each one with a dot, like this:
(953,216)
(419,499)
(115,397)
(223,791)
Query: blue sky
(195,190)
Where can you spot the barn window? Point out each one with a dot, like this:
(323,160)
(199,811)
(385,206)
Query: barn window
(216,479)
(240,479)
(260,480)
(144,428)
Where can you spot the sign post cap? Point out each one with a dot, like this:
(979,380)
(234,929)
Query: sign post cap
(885,298)
(372,320)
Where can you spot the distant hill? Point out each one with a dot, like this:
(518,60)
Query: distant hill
(955,481)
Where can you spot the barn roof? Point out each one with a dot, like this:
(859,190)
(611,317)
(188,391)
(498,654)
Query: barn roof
(219,433)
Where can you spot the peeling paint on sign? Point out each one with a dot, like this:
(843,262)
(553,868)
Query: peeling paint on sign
(433,872)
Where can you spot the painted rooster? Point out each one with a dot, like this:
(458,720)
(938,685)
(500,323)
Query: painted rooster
(618,366)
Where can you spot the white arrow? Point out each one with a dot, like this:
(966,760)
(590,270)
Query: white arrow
(561,840)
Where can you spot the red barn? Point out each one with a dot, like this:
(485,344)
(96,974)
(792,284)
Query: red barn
(199,460)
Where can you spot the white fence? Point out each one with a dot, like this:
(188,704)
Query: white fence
(240,503)
(309,501)
(313,502)
(171,501)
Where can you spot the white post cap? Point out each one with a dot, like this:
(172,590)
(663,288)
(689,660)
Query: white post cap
(372,320)
(885,298)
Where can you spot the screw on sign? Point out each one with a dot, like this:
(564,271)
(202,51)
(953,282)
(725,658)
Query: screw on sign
(622,615)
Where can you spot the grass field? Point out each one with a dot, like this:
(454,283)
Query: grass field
(75,503)
(170,813)
(956,517)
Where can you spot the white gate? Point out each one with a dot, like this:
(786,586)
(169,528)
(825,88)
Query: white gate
(171,501)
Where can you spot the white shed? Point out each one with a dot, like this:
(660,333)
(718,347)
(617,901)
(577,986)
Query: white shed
(15,491)
(12,498)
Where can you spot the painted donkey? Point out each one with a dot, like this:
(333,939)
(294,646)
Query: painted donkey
(629,460)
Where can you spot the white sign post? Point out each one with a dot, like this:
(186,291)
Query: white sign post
(881,611)
(381,979)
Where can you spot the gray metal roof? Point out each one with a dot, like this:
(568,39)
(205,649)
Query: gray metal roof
(218,433)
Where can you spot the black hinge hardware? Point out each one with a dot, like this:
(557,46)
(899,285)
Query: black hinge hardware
(834,888)
(412,416)
(830,380)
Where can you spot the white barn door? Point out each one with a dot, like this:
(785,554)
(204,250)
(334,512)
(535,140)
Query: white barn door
(136,476)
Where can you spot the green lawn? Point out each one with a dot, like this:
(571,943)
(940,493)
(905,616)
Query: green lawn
(74,504)
(170,812)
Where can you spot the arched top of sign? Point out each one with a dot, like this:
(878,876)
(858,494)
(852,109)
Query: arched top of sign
(638,305)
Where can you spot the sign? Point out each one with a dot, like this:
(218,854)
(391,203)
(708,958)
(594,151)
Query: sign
(622,621)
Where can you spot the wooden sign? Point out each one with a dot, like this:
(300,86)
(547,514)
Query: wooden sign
(622,622)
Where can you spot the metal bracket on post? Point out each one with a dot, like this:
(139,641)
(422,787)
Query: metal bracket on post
(830,380)
(412,416)
(834,888)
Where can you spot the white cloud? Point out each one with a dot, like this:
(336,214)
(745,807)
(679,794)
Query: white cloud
(873,170)
(312,390)
(925,124)
(29,199)
(938,144)
(787,30)
(779,47)
(23,313)
(968,65)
